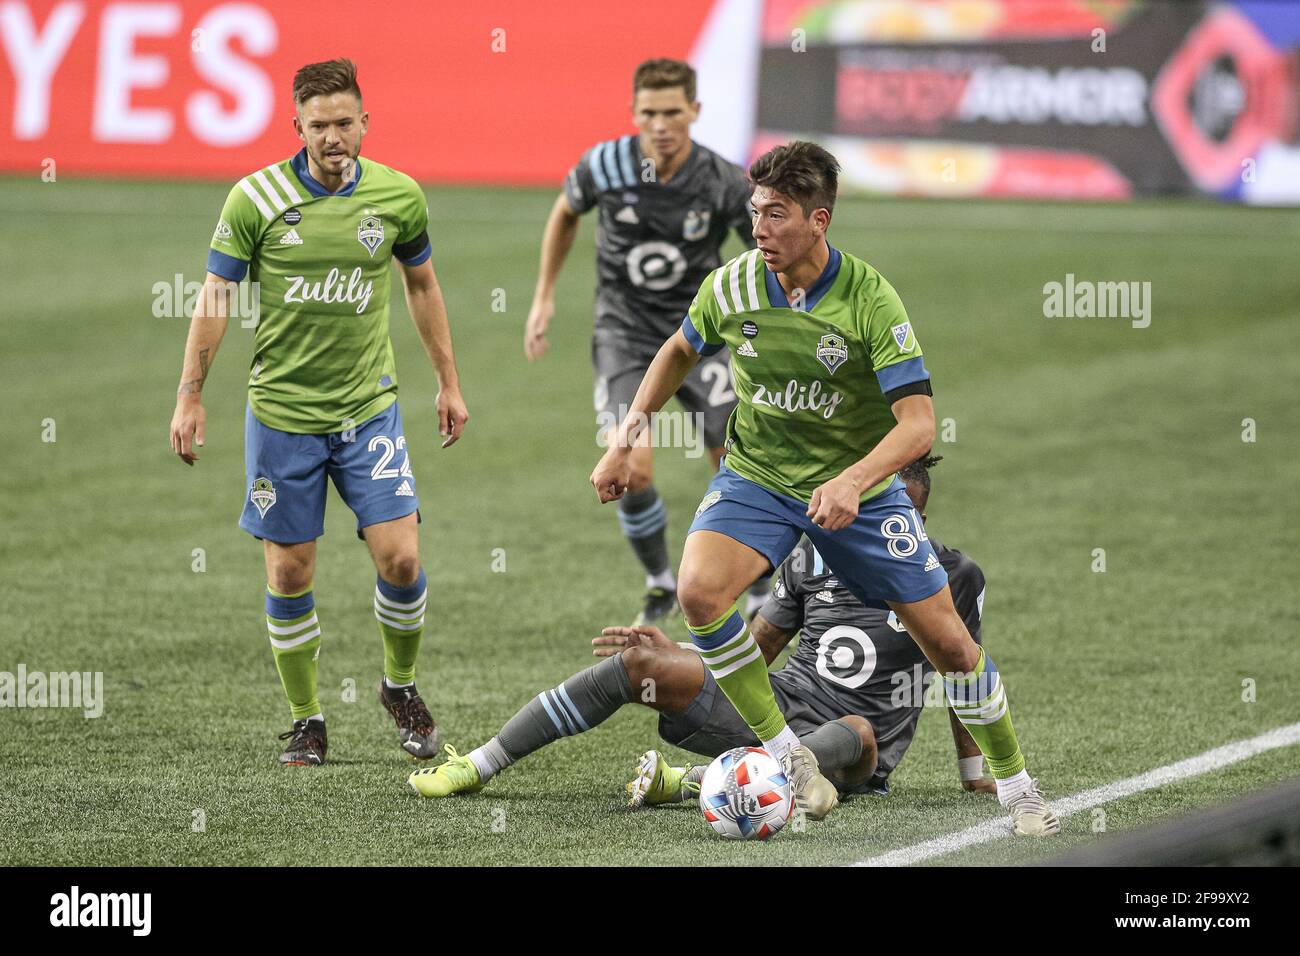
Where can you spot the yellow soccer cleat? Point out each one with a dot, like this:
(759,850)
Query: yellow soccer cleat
(457,775)
(657,783)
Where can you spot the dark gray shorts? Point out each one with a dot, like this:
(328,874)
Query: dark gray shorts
(711,725)
(707,392)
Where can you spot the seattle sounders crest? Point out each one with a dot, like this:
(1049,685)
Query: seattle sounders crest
(370,233)
(832,352)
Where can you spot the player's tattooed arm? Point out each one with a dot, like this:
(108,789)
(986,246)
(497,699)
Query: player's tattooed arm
(195,385)
(771,639)
(206,331)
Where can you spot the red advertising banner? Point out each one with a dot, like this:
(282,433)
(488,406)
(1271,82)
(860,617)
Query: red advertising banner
(500,92)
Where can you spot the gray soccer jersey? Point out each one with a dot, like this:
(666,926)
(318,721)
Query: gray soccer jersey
(852,659)
(655,242)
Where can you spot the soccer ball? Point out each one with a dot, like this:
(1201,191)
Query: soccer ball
(745,794)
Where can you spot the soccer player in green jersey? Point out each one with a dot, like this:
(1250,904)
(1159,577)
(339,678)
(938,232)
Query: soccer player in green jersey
(834,398)
(316,232)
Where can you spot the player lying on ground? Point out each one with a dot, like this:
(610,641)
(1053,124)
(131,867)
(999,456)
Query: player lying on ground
(665,206)
(317,232)
(834,398)
(849,691)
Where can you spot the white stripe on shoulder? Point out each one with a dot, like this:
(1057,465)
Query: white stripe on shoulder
(259,177)
(717,290)
(258,201)
(752,280)
(285,184)
(734,266)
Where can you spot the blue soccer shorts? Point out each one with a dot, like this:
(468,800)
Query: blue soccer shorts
(884,556)
(284,495)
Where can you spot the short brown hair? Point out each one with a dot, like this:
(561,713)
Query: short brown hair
(804,171)
(664,74)
(322,79)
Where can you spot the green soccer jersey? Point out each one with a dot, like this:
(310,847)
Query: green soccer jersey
(814,384)
(322,359)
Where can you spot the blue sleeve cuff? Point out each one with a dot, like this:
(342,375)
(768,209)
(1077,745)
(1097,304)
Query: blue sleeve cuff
(904,373)
(420,257)
(697,341)
(228,267)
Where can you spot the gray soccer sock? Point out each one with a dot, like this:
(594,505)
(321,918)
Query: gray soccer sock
(645,519)
(835,745)
(580,703)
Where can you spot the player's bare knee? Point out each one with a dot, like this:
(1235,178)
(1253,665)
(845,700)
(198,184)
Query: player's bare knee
(289,579)
(866,762)
(287,572)
(402,569)
(700,601)
(639,662)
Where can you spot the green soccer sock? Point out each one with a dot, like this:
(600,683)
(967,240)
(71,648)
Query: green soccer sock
(295,640)
(400,613)
(980,703)
(736,663)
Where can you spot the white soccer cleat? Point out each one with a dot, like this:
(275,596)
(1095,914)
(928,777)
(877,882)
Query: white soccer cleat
(1031,815)
(813,794)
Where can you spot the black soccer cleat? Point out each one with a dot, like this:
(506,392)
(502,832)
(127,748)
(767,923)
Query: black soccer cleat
(416,731)
(307,744)
(659,604)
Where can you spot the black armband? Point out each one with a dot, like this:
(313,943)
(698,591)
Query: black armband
(911,388)
(412,247)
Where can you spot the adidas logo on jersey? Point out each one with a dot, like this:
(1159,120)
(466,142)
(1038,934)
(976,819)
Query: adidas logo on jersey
(291,238)
(747,349)
(628,215)
(931,563)
(404,490)
(826,596)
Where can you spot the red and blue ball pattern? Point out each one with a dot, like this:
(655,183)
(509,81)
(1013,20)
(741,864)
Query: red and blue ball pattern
(745,794)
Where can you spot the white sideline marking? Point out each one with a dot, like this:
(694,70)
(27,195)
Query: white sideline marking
(998,828)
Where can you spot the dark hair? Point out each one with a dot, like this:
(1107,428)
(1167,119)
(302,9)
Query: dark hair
(322,79)
(804,171)
(663,74)
(919,472)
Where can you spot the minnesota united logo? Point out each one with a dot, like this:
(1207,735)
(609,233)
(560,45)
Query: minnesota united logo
(262,495)
(696,226)
(370,233)
(832,352)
